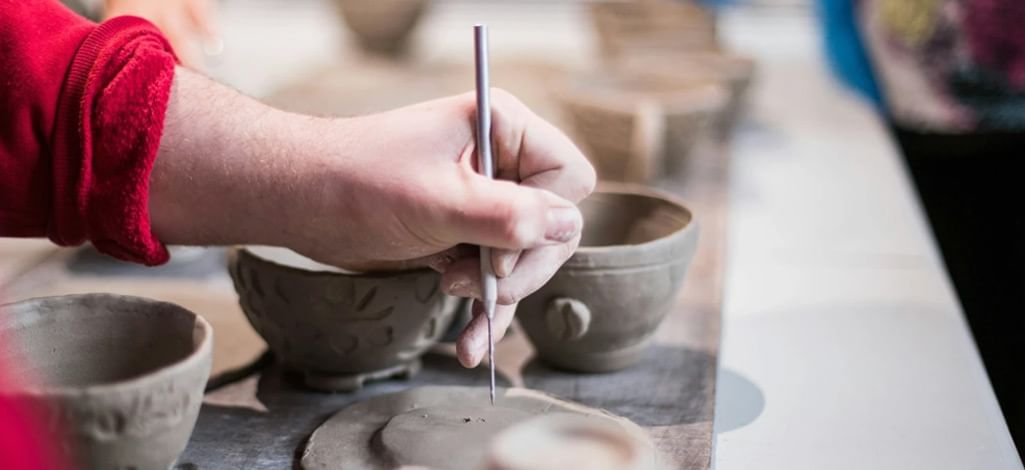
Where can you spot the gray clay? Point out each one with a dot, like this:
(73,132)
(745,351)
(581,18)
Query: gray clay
(340,329)
(447,427)
(119,379)
(639,124)
(601,309)
(382,27)
(559,441)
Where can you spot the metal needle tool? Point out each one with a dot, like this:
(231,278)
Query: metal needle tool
(489,284)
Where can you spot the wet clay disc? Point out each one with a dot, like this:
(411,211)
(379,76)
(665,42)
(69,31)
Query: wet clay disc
(442,427)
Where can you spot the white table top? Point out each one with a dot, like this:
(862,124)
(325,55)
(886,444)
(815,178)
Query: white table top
(844,345)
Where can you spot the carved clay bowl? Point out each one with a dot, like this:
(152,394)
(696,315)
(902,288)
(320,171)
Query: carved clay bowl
(444,427)
(382,27)
(340,329)
(639,125)
(118,381)
(601,309)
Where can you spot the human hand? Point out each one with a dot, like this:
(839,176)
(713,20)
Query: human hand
(386,191)
(185,23)
(411,194)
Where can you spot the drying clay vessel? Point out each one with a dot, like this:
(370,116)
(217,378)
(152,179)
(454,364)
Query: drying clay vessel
(120,378)
(735,71)
(382,27)
(560,441)
(600,310)
(441,427)
(340,329)
(638,125)
(652,27)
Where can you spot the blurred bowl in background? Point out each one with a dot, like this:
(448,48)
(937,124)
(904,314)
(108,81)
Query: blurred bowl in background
(639,125)
(382,27)
(627,28)
(120,378)
(340,329)
(735,71)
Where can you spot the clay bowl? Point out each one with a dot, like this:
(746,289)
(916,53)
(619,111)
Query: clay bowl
(382,27)
(121,378)
(600,310)
(736,72)
(340,329)
(627,28)
(639,125)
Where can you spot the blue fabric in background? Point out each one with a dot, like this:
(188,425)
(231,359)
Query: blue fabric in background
(845,52)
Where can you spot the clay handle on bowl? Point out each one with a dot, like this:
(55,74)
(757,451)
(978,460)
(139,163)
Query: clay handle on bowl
(568,319)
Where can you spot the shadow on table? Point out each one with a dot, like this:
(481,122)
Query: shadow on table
(243,437)
(739,401)
(670,386)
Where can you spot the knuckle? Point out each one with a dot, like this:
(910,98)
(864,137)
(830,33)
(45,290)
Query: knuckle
(513,224)
(510,295)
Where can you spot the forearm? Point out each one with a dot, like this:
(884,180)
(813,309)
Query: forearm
(232,170)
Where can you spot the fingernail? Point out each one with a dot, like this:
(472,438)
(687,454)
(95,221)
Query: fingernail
(563,224)
(506,263)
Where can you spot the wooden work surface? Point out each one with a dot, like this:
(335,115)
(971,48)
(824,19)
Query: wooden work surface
(263,419)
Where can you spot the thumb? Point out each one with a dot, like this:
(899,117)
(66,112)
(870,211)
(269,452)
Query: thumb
(503,214)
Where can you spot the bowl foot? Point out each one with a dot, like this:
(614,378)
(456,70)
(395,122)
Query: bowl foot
(353,382)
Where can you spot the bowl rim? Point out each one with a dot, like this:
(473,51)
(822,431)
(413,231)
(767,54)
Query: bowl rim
(238,251)
(604,255)
(199,353)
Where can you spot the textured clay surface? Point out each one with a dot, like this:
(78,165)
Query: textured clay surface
(120,378)
(340,329)
(448,427)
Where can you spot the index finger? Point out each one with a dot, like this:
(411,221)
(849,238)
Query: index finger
(531,151)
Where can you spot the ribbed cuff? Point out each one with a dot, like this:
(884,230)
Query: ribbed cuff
(109,124)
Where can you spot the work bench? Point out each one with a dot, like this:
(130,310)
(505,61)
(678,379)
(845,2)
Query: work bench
(842,342)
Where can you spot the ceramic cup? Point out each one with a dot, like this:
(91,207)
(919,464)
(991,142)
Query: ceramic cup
(600,310)
(340,329)
(118,381)
(382,27)
(637,125)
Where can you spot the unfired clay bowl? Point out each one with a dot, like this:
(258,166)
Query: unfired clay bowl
(119,379)
(639,125)
(601,309)
(340,329)
(382,27)
(735,71)
(627,28)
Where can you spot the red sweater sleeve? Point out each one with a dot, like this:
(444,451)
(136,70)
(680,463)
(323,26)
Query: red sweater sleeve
(81,113)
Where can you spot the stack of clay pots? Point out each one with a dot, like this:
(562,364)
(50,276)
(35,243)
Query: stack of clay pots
(664,85)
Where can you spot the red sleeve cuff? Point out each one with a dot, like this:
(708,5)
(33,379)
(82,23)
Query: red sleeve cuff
(109,122)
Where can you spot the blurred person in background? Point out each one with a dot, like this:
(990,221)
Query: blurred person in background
(189,25)
(949,75)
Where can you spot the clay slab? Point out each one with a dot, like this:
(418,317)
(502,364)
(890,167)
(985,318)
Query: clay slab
(448,427)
